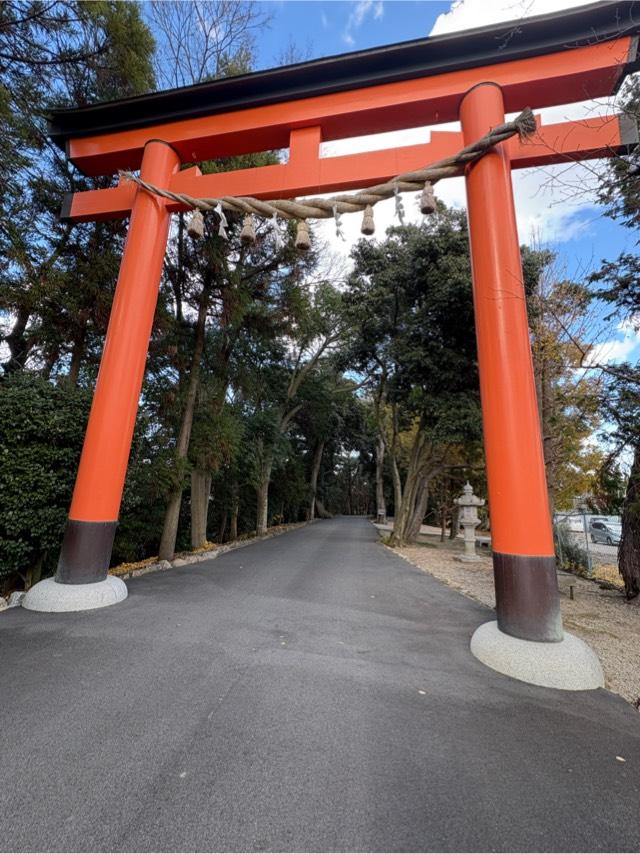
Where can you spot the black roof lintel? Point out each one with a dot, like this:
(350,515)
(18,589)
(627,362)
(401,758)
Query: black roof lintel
(426,57)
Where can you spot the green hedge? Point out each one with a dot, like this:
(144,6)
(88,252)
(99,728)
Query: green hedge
(41,431)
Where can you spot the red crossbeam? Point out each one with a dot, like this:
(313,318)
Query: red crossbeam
(307,173)
(539,81)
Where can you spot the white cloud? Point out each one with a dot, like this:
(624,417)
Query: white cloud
(621,349)
(324,21)
(468,14)
(360,11)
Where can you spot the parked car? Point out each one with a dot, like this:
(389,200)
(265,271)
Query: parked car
(603,531)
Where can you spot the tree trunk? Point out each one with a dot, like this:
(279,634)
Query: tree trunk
(235,509)
(381,509)
(172,515)
(262,492)
(543,374)
(223,527)
(629,549)
(402,518)
(415,492)
(323,513)
(455,522)
(419,510)
(406,524)
(200,491)
(395,471)
(313,487)
(77,352)
(397,486)
(50,362)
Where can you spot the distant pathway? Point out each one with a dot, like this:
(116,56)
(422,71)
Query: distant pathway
(310,692)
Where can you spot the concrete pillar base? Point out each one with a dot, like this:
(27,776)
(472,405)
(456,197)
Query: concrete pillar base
(468,558)
(569,665)
(51,596)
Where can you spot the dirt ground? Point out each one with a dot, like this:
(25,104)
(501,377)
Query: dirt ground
(602,618)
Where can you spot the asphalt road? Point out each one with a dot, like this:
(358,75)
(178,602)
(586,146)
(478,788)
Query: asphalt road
(313,692)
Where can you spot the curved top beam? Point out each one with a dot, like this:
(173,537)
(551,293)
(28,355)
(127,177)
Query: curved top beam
(499,43)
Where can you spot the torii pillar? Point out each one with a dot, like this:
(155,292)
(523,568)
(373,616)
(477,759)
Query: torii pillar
(527,640)
(81,581)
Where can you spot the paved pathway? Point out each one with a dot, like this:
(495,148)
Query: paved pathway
(272,700)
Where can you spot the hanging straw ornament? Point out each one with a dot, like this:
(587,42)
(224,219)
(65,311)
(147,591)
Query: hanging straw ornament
(248,233)
(427,199)
(399,204)
(368,226)
(303,242)
(277,237)
(417,181)
(336,216)
(222,228)
(195,226)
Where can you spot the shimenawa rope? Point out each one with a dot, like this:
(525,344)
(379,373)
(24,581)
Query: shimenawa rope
(316,208)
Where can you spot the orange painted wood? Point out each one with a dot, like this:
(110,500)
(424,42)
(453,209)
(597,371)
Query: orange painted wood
(520,518)
(306,173)
(103,464)
(542,81)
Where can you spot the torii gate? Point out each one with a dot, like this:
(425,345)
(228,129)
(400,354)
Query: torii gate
(474,76)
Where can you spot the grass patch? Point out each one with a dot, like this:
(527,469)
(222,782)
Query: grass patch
(608,572)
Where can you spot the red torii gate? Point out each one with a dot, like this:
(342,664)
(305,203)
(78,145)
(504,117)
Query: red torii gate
(474,76)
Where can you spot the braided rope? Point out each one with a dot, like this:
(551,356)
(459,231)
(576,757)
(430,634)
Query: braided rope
(315,208)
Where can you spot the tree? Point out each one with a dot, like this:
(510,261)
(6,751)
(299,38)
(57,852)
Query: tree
(41,432)
(307,326)
(411,314)
(568,390)
(617,283)
(321,420)
(204,40)
(55,54)
(622,405)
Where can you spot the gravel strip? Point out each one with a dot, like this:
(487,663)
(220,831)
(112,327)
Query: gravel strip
(602,618)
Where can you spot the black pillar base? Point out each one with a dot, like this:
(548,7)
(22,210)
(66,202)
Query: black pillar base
(527,601)
(86,552)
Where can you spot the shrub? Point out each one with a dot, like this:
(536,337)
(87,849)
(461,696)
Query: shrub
(41,431)
(571,556)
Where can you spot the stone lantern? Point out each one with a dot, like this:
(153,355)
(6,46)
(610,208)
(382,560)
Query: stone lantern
(468,503)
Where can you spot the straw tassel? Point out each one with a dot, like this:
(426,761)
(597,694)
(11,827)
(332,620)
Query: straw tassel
(303,242)
(368,226)
(248,233)
(427,199)
(195,227)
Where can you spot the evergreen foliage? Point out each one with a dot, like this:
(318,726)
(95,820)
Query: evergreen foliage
(41,431)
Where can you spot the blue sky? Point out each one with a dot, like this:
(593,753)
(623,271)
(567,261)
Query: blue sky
(324,28)
(571,224)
